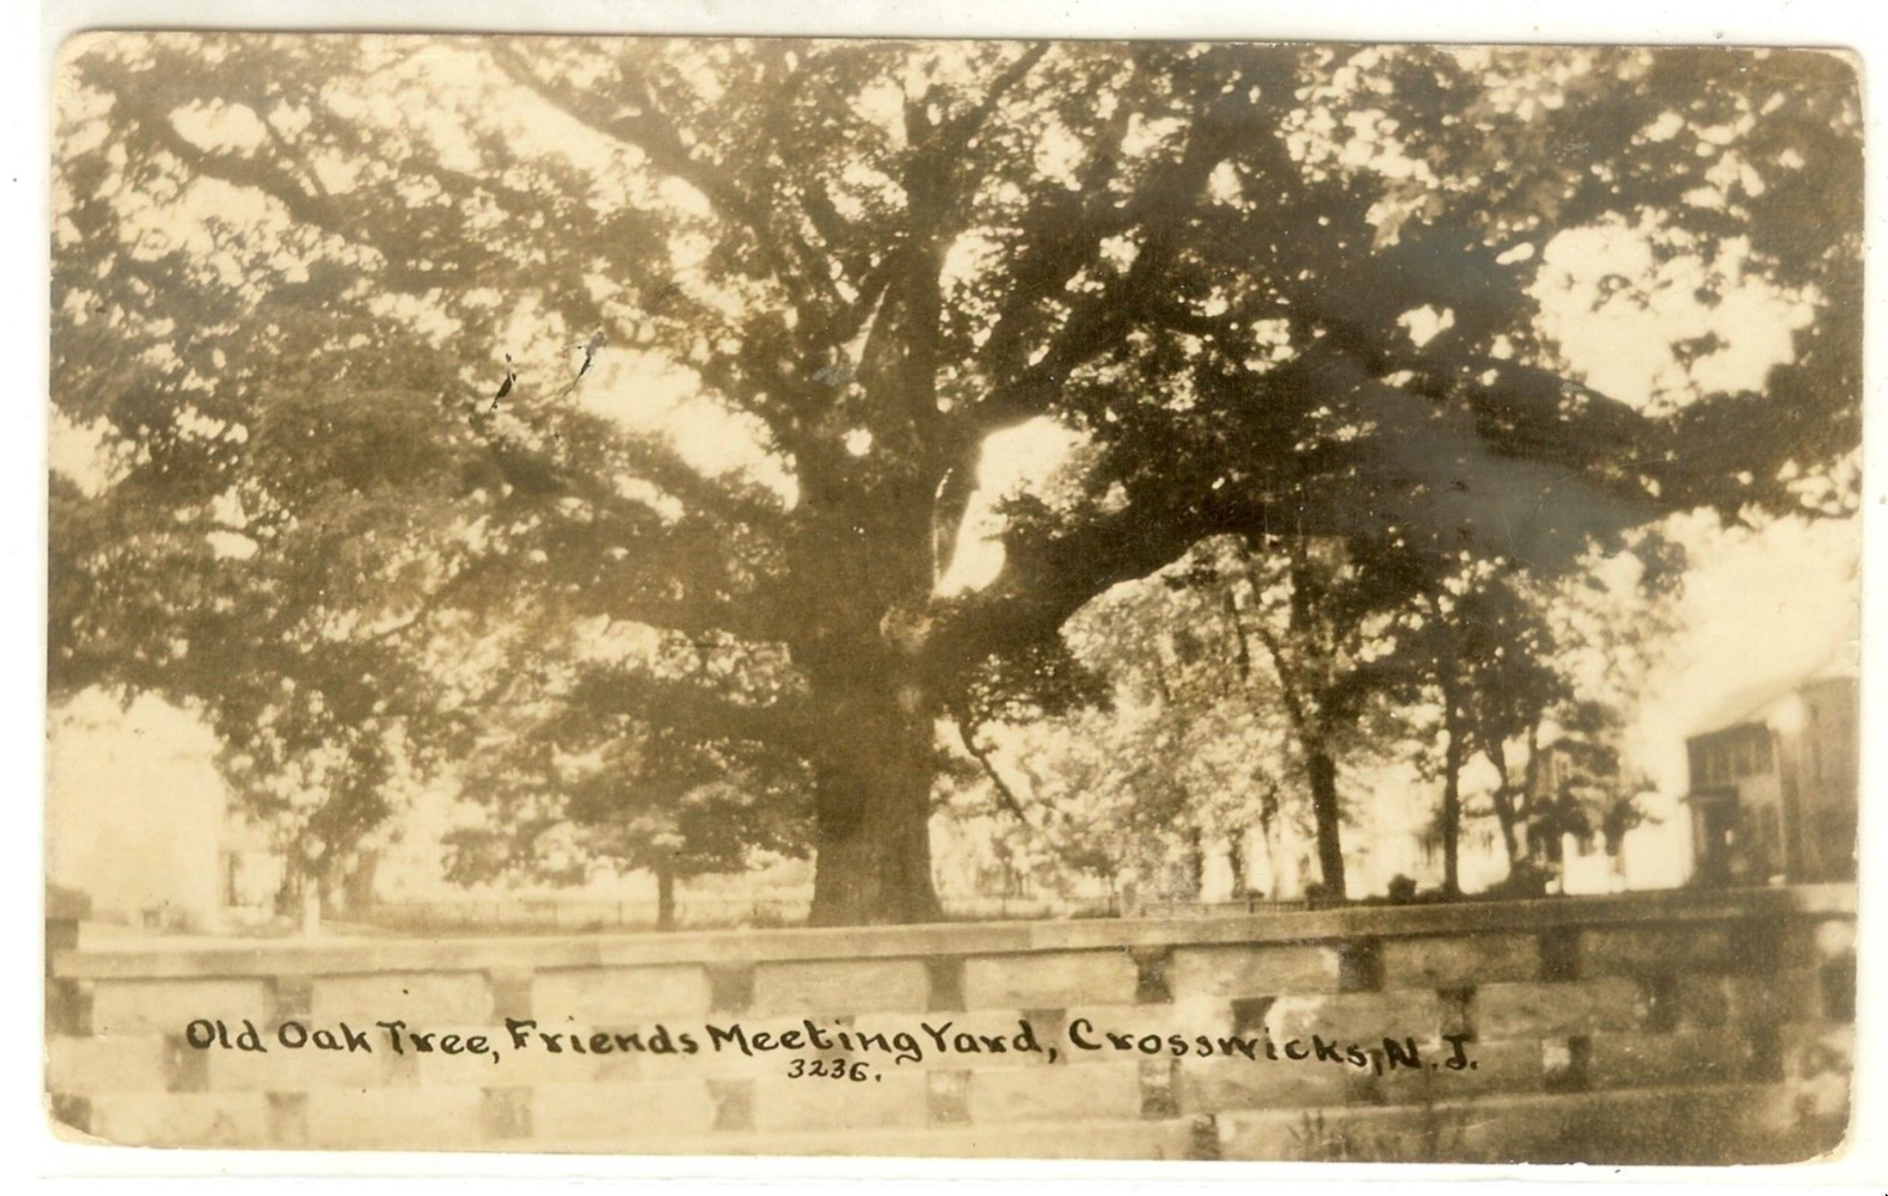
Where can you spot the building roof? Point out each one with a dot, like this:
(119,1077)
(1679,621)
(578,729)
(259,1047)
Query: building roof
(1753,704)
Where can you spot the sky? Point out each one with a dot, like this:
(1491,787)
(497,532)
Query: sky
(1759,607)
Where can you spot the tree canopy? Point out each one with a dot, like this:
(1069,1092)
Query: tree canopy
(1269,289)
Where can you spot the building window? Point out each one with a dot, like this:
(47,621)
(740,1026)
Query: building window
(1717,762)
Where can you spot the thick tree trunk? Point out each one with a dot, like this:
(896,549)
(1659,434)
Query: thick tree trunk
(1324,808)
(874,853)
(872,810)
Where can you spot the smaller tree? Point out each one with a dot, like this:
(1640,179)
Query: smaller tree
(1522,661)
(1474,647)
(1324,611)
(1588,795)
(611,812)
(679,798)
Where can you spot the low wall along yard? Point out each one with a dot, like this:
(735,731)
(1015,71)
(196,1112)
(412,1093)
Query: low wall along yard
(1653,1027)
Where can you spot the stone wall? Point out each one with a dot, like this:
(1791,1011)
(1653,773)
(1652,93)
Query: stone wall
(1668,1028)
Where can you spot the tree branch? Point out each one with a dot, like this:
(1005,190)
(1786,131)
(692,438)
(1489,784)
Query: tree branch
(1164,203)
(644,125)
(967,734)
(318,208)
(689,709)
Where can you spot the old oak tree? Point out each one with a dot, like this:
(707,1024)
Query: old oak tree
(292,275)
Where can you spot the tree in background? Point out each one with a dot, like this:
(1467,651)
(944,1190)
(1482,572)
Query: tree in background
(1504,656)
(1322,611)
(315,300)
(1169,753)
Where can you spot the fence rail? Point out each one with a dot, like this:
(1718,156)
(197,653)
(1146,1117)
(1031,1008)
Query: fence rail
(708,913)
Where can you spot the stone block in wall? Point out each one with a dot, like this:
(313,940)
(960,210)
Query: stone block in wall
(1050,980)
(1364,1018)
(505,1115)
(1740,1123)
(1630,950)
(282,1070)
(1785,997)
(1677,1059)
(1809,942)
(169,1006)
(1511,1066)
(1646,1126)
(1812,1051)
(1221,1084)
(1833,939)
(618,995)
(1104,1090)
(1701,1000)
(1106,1027)
(421,999)
(790,1041)
(1818,1071)
(1137,1139)
(1221,972)
(229,1119)
(1512,1128)
(1459,960)
(1562,1010)
(839,986)
(1005,1024)
(396,1118)
(125,1063)
(1358,1134)
(518,1068)
(1651,1126)
(536,1063)
(1166,1139)
(899,1098)
(602,1114)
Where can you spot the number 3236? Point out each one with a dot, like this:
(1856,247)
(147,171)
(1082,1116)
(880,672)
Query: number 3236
(836,1069)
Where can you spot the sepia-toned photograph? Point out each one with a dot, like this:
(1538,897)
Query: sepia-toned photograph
(975,599)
